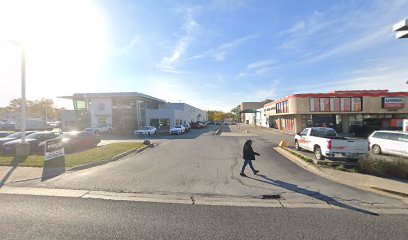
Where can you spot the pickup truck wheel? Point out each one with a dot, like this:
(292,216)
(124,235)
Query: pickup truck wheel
(318,153)
(377,149)
(297,146)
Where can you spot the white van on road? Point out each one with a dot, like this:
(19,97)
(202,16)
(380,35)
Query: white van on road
(390,142)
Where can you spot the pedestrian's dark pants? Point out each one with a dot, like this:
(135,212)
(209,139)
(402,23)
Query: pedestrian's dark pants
(246,162)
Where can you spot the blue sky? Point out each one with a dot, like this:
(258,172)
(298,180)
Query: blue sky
(216,54)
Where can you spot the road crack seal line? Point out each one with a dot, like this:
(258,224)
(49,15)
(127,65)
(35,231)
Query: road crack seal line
(359,201)
(235,163)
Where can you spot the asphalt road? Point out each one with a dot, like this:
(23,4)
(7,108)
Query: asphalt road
(36,217)
(202,164)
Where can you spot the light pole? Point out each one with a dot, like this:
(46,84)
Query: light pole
(23,149)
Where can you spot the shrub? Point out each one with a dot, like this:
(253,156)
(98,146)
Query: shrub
(341,167)
(383,168)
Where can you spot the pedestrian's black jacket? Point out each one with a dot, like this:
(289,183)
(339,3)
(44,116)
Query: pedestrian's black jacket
(248,153)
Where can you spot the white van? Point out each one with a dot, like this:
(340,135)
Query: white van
(390,142)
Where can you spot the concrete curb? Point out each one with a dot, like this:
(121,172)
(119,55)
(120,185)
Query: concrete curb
(115,158)
(182,198)
(316,170)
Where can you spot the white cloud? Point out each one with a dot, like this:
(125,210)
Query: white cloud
(228,5)
(220,53)
(259,68)
(262,63)
(352,46)
(190,27)
(294,29)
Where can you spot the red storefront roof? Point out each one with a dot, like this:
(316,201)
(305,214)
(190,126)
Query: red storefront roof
(346,93)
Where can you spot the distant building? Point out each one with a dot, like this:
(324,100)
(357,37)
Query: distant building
(131,110)
(349,112)
(248,111)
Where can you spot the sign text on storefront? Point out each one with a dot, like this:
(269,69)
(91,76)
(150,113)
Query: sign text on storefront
(393,102)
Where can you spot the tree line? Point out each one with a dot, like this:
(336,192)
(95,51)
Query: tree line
(41,108)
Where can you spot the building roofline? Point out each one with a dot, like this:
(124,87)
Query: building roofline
(351,93)
(112,94)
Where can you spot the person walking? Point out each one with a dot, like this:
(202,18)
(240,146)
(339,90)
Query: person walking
(248,156)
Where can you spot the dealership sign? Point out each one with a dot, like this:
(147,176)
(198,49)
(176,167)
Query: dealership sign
(53,149)
(393,102)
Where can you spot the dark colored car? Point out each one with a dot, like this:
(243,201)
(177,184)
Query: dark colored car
(12,137)
(74,141)
(5,133)
(34,139)
(196,125)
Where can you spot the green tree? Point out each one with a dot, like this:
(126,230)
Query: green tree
(42,108)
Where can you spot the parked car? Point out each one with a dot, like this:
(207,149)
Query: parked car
(12,137)
(178,129)
(74,141)
(187,127)
(8,126)
(203,124)
(196,125)
(390,142)
(100,128)
(34,139)
(5,133)
(325,142)
(146,130)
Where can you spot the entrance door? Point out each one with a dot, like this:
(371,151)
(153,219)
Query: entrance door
(328,120)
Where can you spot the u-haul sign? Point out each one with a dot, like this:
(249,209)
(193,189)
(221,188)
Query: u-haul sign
(393,102)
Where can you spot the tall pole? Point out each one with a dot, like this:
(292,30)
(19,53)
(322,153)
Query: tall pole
(23,95)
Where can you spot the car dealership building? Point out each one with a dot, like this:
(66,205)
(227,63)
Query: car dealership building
(350,112)
(131,110)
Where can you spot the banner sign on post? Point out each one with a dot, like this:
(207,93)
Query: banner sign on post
(393,102)
(53,149)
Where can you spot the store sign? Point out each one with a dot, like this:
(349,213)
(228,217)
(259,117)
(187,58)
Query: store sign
(393,102)
(53,149)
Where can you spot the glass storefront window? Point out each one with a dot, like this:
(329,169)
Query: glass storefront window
(335,104)
(356,105)
(345,104)
(324,104)
(314,105)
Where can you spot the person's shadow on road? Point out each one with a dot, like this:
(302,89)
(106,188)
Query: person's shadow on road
(313,194)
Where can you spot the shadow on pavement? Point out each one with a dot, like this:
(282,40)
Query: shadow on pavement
(313,194)
(14,163)
(226,128)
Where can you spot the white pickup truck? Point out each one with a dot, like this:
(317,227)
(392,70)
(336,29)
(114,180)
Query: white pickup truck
(325,142)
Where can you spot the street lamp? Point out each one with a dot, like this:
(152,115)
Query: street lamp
(23,149)
(401,29)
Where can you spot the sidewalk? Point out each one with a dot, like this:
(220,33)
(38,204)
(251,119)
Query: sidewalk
(18,174)
(384,186)
(266,128)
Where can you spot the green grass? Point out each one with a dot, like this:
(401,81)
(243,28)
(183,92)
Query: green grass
(306,159)
(74,159)
(341,168)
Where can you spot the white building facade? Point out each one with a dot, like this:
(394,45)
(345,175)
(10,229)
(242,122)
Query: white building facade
(131,110)
(261,119)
